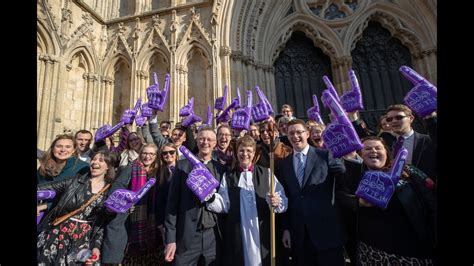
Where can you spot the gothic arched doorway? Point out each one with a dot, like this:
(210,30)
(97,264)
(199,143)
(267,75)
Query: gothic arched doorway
(376,60)
(299,71)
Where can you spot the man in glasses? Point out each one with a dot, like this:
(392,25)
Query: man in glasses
(192,231)
(314,229)
(421,148)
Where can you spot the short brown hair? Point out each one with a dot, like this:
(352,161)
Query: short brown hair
(246,141)
(287,106)
(400,108)
(297,121)
(82,131)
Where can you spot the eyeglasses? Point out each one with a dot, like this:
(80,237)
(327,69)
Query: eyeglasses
(202,140)
(225,135)
(397,117)
(164,153)
(151,154)
(298,133)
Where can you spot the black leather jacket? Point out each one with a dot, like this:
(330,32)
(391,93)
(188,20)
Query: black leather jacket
(72,192)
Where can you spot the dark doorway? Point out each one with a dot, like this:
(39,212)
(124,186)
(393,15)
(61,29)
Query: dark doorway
(376,60)
(299,71)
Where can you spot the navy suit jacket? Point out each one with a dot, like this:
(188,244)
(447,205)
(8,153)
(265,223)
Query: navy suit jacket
(313,204)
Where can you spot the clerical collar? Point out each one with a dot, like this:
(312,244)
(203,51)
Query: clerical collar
(250,168)
(204,161)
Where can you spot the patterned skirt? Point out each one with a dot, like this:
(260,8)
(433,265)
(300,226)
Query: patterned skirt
(145,246)
(60,244)
(368,255)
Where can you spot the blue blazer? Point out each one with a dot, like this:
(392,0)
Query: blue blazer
(313,205)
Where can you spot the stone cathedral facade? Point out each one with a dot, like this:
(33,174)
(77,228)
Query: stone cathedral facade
(95,58)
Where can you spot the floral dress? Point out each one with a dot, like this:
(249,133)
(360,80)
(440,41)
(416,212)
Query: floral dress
(59,245)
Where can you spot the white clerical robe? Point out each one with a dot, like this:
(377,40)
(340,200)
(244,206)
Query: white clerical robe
(248,213)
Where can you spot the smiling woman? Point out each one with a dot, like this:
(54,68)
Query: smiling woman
(76,224)
(404,232)
(59,163)
(245,188)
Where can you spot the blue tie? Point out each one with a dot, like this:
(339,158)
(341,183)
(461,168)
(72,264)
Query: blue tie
(300,168)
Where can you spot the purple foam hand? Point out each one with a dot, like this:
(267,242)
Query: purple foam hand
(106,131)
(42,195)
(422,98)
(140,120)
(191,119)
(221,101)
(156,97)
(313,112)
(146,111)
(377,187)
(339,136)
(352,100)
(45,194)
(39,217)
(241,118)
(262,96)
(188,108)
(129,114)
(331,88)
(236,102)
(224,117)
(200,180)
(209,118)
(121,200)
(260,110)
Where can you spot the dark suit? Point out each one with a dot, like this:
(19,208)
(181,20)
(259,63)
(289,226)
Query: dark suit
(312,217)
(182,211)
(424,155)
(116,237)
(424,148)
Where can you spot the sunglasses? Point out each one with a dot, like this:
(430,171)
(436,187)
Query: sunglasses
(163,153)
(397,117)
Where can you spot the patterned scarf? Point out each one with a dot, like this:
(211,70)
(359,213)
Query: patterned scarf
(139,175)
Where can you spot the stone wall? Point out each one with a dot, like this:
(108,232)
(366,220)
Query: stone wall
(96,57)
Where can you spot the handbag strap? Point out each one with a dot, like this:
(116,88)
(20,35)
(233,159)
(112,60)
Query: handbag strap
(68,215)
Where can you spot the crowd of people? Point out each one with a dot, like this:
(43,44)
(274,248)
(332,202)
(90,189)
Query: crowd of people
(319,219)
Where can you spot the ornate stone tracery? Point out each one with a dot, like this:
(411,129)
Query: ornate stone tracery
(237,43)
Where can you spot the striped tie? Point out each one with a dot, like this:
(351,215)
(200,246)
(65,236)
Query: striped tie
(300,168)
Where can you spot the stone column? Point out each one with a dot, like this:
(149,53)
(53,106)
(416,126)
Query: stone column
(429,60)
(100,101)
(142,84)
(181,94)
(225,53)
(340,77)
(109,85)
(86,122)
(46,101)
(272,88)
(237,70)
(93,78)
